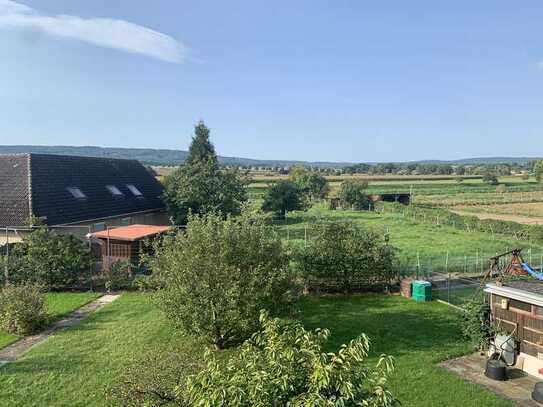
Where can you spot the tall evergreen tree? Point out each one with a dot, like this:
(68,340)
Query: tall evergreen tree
(199,186)
(201,149)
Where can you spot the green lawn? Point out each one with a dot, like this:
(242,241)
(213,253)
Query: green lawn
(6,339)
(58,305)
(418,335)
(77,366)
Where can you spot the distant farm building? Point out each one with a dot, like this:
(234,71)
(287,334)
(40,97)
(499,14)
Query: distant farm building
(403,198)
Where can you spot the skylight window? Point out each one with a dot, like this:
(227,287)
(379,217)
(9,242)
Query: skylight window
(77,193)
(135,191)
(113,190)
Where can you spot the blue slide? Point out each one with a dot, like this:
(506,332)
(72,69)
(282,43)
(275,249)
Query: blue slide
(532,272)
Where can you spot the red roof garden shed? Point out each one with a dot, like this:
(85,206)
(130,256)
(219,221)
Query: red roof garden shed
(126,243)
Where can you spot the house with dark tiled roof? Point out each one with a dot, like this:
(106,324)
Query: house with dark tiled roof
(95,193)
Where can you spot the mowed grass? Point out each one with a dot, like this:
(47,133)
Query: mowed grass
(6,339)
(418,335)
(78,366)
(58,305)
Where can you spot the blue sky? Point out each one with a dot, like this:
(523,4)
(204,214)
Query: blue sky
(313,80)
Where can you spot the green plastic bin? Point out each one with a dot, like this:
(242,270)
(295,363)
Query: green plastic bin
(422,290)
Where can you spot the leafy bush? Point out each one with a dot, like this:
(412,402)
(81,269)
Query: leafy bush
(490,177)
(143,283)
(352,194)
(284,365)
(475,323)
(117,276)
(281,365)
(282,197)
(22,308)
(348,255)
(55,261)
(219,273)
(310,183)
(538,170)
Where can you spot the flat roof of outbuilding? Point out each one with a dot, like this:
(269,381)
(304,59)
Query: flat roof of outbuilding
(130,233)
(530,291)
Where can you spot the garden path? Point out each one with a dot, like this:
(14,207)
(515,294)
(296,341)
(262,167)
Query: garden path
(518,388)
(14,351)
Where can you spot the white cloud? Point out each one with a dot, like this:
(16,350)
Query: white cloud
(103,32)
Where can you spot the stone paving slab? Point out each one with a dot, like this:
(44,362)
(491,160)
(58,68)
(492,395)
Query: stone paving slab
(14,351)
(517,389)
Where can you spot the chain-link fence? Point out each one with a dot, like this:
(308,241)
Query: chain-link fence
(421,264)
(454,289)
(469,265)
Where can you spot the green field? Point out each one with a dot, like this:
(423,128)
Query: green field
(58,305)
(470,189)
(419,243)
(78,366)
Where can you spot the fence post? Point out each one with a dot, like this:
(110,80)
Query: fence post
(6,267)
(449,288)
(418,264)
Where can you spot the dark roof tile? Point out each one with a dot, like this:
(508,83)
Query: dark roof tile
(52,175)
(14,199)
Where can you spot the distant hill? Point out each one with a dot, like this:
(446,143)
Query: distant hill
(152,156)
(175,157)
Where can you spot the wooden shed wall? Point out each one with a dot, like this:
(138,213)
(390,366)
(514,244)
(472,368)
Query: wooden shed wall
(527,318)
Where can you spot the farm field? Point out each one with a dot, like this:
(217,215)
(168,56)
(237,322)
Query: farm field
(263,178)
(479,198)
(420,243)
(58,304)
(432,191)
(526,213)
(78,366)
